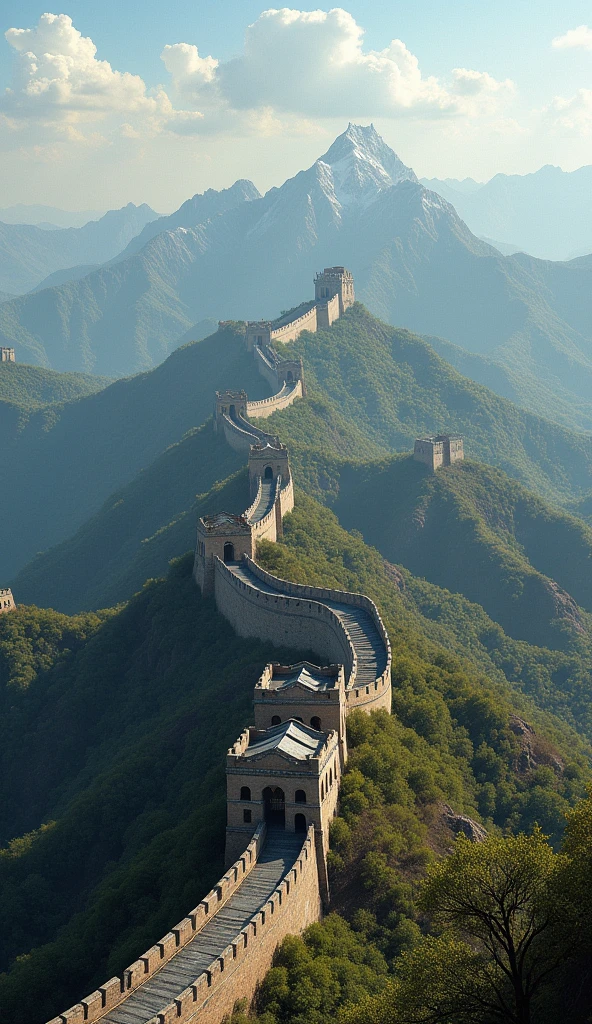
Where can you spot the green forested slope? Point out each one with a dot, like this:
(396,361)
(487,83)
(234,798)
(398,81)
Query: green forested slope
(60,465)
(31,386)
(472,529)
(114,731)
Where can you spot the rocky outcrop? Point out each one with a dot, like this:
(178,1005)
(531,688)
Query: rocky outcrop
(461,823)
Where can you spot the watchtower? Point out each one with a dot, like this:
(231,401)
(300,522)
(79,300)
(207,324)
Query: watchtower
(306,692)
(229,403)
(289,370)
(7,603)
(225,536)
(335,281)
(288,776)
(258,334)
(267,462)
(439,450)
(7,355)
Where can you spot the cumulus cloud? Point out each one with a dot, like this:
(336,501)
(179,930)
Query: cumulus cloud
(572,113)
(580,37)
(57,76)
(313,64)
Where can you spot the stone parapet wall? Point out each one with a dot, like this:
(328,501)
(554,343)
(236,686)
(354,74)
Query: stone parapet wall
(115,991)
(286,621)
(379,694)
(284,398)
(290,331)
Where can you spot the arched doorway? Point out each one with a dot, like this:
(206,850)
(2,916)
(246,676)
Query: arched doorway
(299,823)
(232,411)
(275,806)
(316,723)
(275,719)
(229,552)
(268,475)
(289,377)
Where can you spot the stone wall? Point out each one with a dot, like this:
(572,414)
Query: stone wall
(267,406)
(370,697)
(7,602)
(290,331)
(302,625)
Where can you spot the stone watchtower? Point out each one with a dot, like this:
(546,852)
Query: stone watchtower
(7,355)
(229,403)
(224,535)
(335,281)
(288,776)
(313,695)
(267,462)
(258,334)
(7,603)
(439,450)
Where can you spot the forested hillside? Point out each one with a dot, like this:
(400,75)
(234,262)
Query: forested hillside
(32,386)
(114,731)
(371,390)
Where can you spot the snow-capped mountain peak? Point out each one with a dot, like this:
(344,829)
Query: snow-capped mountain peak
(361,165)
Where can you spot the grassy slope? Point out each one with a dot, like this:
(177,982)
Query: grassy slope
(158,690)
(32,386)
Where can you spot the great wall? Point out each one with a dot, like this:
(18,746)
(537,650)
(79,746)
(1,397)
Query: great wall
(283,773)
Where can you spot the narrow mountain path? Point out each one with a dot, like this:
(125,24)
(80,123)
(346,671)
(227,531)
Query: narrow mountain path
(279,854)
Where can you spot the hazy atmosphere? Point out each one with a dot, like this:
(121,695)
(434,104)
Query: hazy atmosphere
(296,542)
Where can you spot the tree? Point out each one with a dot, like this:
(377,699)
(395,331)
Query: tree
(505,920)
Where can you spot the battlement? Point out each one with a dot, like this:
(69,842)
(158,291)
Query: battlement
(439,450)
(7,355)
(7,602)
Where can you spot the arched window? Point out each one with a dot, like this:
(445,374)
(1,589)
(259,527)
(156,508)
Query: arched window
(229,552)
(245,793)
(275,719)
(316,723)
(268,474)
(322,789)
(330,776)
(299,823)
(300,796)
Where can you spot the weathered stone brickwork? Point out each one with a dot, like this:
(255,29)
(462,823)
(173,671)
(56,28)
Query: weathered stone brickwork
(285,769)
(7,602)
(439,450)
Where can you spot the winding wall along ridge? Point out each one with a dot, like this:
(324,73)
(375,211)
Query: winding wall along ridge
(223,948)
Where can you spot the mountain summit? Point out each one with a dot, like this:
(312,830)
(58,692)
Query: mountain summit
(361,165)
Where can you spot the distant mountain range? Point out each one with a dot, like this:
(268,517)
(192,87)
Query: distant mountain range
(547,214)
(28,254)
(415,262)
(48,217)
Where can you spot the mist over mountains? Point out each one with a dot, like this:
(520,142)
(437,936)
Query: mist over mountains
(28,253)
(547,214)
(235,254)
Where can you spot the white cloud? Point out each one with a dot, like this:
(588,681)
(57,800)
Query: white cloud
(58,77)
(313,64)
(580,37)
(572,113)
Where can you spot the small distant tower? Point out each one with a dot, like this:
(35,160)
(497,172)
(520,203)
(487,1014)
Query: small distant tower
(7,356)
(335,281)
(267,462)
(224,535)
(439,450)
(7,603)
(229,403)
(258,334)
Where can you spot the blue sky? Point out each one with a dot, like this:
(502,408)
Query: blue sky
(517,102)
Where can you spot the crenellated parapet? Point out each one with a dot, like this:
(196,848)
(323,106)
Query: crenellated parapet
(7,602)
(283,773)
